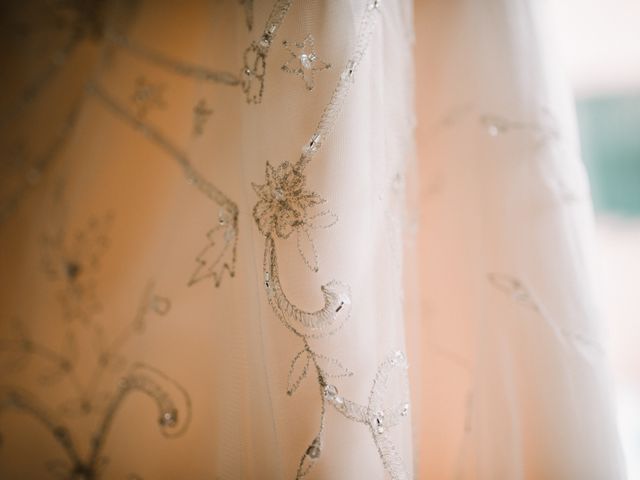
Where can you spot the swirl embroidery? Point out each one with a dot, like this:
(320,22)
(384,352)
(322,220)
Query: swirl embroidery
(285,205)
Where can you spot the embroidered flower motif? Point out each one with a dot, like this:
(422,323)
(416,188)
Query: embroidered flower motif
(283,201)
(304,61)
(73,263)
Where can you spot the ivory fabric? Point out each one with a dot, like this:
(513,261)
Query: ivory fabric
(228,228)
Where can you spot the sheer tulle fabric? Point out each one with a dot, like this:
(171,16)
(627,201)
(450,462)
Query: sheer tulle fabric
(211,252)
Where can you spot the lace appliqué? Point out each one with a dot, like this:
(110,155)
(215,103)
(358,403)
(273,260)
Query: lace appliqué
(95,396)
(219,254)
(304,61)
(252,75)
(73,263)
(285,206)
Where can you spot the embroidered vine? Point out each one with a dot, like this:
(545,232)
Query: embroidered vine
(286,206)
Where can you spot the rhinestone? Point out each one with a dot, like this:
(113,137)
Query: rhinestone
(222,216)
(169,418)
(314,143)
(272,29)
(379,426)
(493,130)
(338,400)
(348,71)
(160,305)
(405,410)
(307,60)
(267,282)
(374,5)
(313,451)
(330,392)
(398,357)
(344,300)
(265,41)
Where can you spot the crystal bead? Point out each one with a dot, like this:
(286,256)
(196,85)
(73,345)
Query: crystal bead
(338,401)
(398,357)
(222,216)
(169,418)
(378,422)
(375,4)
(265,41)
(307,59)
(267,280)
(343,301)
(330,392)
(314,449)
(160,305)
(349,69)
(405,410)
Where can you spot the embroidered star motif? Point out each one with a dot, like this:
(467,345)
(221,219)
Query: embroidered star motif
(304,61)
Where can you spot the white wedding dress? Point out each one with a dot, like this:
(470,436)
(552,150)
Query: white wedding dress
(285,239)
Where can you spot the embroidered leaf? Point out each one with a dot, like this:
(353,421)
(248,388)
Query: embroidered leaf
(298,371)
(331,367)
(324,219)
(307,249)
(217,256)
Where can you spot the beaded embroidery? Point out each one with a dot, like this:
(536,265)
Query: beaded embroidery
(73,263)
(94,397)
(224,236)
(283,207)
(304,61)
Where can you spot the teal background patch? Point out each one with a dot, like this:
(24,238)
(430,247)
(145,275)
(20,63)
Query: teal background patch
(610,139)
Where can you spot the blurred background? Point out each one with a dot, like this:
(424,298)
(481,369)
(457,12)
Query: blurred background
(601,51)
